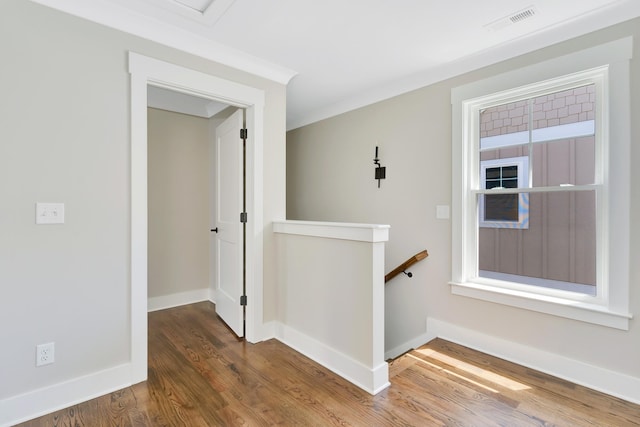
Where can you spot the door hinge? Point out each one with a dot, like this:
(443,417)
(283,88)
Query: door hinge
(243,217)
(243,300)
(244,134)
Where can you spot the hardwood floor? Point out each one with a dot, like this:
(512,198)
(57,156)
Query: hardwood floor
(200,375)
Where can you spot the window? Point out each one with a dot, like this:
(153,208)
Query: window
(535,191)
(504,210)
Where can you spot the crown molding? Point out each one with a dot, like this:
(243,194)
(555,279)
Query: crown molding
(120,18)
(609,16)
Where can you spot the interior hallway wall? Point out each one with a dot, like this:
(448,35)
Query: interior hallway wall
(71,284)
(179,203)
(330,175)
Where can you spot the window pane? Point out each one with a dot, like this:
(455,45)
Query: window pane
(504,153)
(510,172)
(567,161)
(493,173)
(557,250)
(501,207)
(510,183)
(503,210)
(563,130)
(564,108)
(504,125)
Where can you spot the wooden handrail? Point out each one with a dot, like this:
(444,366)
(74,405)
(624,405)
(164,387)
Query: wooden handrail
(408,263)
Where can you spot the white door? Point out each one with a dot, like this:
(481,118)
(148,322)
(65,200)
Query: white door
(229,238)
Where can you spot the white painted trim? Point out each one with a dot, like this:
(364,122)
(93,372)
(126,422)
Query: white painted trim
(576,62)
(209,16)
(112,15)
(334,230)
(606,65)
(604,380)
(545,300)
(149,71)
(412,344)
(371,380)
(270,329)
(139,232)
(255,224)
(621,12)
(180,298)
(538,281)
(33,404)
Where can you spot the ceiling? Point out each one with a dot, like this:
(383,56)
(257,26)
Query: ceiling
(192,105)
(337,55)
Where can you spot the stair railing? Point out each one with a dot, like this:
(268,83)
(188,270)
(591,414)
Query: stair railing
(402,268)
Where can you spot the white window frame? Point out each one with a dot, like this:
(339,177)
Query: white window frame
(607,66)
(522,163)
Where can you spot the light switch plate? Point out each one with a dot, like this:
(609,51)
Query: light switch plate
(442,212)
(49,213)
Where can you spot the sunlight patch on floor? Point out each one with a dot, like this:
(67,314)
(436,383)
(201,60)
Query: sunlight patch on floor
(469,380)
(474,370)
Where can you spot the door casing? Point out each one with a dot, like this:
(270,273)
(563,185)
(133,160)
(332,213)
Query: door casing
(149,71)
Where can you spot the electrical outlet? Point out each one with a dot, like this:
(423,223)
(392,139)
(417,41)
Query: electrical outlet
(45,354)
(49,213)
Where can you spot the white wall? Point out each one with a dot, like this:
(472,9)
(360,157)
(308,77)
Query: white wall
(66,138)
(179,199)
(330,178)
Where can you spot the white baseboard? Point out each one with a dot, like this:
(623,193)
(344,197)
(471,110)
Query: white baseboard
(268,330)
(409,345)
(610,382)
(27,406)
(180,298)
(372,380)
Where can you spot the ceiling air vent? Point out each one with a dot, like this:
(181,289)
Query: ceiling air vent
(514,18)
(521,16)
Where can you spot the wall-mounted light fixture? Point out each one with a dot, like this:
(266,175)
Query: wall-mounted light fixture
(381,171)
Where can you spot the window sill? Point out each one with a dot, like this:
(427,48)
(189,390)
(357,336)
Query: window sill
(575,310)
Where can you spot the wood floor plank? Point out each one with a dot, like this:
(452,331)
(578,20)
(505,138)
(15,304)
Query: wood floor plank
(200,374)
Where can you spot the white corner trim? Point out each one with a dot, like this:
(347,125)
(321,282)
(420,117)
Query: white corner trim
(601,379)
(193,82)
(576,310)
(123,19)
(412,344)
(372,233)
(268,330)
(33,404)
(372,380)
(178,299)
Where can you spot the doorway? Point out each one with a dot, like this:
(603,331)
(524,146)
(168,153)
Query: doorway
(148,71)
(195,197)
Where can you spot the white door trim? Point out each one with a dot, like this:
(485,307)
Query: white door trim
(149,71)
